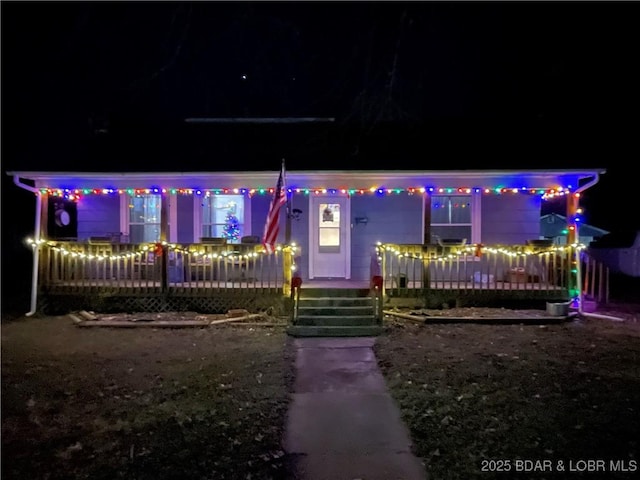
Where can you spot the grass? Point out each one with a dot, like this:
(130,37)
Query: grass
(142,404)
(471,394)
(211,403)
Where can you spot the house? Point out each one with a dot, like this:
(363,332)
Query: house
(554,227)
(180,240)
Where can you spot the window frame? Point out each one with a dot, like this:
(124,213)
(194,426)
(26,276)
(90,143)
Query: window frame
(125,215)
(198,214)
(476,217)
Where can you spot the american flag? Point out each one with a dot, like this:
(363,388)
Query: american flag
(272,226)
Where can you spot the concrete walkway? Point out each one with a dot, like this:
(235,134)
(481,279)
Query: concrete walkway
(342,423)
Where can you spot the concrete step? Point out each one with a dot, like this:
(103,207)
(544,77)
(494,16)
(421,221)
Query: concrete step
(335,301)
(334,331)
(334,292)
(336,320)
(342,308)
(333,310)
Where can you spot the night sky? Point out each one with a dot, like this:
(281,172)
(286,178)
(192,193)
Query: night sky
(418,85)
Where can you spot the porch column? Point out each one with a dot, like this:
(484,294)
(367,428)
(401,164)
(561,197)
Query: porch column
(426,214)
(572,239)
(287,273)
(43,198)
(572,211)
(164,237)
(164,217)
(287,224)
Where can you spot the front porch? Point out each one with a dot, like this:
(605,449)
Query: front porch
(106,276)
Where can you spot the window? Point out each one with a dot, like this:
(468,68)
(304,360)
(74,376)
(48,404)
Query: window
(329,227)
(144,218)
(223,216)
(451,217)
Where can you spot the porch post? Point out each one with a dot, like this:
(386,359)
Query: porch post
(383,274)
(287,223)
(426,269)
(287,262)
(426,213)
(164,235)
(572,210)
(164,217)
(572,240)
(43,198)
(426,274)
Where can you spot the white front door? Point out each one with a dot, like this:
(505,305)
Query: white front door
(329,236)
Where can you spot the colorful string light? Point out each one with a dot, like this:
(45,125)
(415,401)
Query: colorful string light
(77,193)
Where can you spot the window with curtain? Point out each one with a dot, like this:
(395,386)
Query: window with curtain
(144,218)
(450,217)
(223,216)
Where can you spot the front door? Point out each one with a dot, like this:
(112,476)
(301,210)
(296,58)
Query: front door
(330,237)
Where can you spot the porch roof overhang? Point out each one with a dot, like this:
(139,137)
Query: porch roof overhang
(349,179)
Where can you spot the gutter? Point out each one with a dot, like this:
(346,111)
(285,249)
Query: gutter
(589,184)
(36,247)
(581,311)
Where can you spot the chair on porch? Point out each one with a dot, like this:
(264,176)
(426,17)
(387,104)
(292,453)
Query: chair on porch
(213,240)
(250,239)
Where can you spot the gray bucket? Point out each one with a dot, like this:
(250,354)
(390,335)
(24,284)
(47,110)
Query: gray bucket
(558,309)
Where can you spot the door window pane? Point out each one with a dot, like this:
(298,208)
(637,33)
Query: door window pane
(329,225)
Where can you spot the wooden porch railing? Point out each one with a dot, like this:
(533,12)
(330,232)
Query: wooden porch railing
(244,266)
(414,269)
(406,270)
(155,268)
(595,279)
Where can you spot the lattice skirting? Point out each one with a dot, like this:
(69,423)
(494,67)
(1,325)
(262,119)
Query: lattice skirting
(276,303)
(462,298)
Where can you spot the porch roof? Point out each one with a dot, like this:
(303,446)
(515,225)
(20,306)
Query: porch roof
(350,179)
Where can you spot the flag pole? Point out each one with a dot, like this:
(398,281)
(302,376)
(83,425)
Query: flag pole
(287,224)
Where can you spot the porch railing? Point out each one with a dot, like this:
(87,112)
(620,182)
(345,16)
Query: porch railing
(228,266)
(148,268)
(595,279)
(414,269)
(406,270)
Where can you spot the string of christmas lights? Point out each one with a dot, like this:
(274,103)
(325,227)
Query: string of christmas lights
(476,249)
(199,250)
(147,248)
(77,193)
